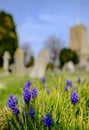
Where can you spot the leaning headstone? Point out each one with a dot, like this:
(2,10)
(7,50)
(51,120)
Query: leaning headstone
(19,62)
(69,67)
(39,67)
(6,58)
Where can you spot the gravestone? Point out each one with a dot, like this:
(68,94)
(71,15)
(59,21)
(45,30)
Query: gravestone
(6,58)
(69,67)
(83,67)
(39,67)
(19,62)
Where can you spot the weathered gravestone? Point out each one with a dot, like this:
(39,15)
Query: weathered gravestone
(68,67)
(83,67)
(6,58)
(39,67)
(19,62)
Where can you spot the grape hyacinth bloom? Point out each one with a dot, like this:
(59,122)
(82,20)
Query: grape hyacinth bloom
(31,112)
(12,101)
(74,97)
(43,79)
(15,99)
(12,104)
(27,84)
(34,93)
(16,111)
(44,82)
(69,83)
(47,120)
(27,95)
(79,80)
(66,88)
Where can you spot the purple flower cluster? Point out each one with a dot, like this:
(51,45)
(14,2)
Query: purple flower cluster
(31,112)
(44,82)
(79,80)
(34,93)
(66,88)
(43,79)
(69,83)
(74,97)
(27,84)
(47,120)
(12,104)
(27,95)
(45,85)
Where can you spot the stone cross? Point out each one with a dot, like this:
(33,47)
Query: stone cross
(39,67)
(19,62)
(6,58)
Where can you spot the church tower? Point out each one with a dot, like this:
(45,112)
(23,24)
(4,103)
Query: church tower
(78,40)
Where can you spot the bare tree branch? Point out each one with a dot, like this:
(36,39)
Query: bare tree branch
(28,52)
(54,45)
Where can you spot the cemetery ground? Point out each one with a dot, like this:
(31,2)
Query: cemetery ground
(14,84)
(65,114)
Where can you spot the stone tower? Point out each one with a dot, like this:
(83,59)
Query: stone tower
(79,42)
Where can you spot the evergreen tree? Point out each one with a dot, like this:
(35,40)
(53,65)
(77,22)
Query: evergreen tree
(8,36)
(66,55)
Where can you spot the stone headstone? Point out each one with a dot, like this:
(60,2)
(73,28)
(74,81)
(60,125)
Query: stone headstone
(39,67)
(69,67)
(6,58)
(12,67)
(19,62)
(83,67)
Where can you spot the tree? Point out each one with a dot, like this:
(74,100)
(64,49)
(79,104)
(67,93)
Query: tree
(8,36)
(66,55)
(28,53)
(54,45)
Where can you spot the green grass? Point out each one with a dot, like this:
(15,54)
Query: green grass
(65,115)
(14,84)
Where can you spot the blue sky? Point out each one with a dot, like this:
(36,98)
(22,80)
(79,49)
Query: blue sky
(36,20)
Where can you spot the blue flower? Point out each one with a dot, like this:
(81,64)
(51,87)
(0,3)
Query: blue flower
(79,80)
(66,88)
(27,95)
(47,120)
(11,101)
(16,111)
(31,111)
(27,84)
(12,104)
(69,83)
(15,99)
(43,79)
(34,93)
(74,97)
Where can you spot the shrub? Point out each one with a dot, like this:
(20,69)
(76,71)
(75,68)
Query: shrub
(68,55)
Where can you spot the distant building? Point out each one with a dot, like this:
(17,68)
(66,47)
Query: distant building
(79,42)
